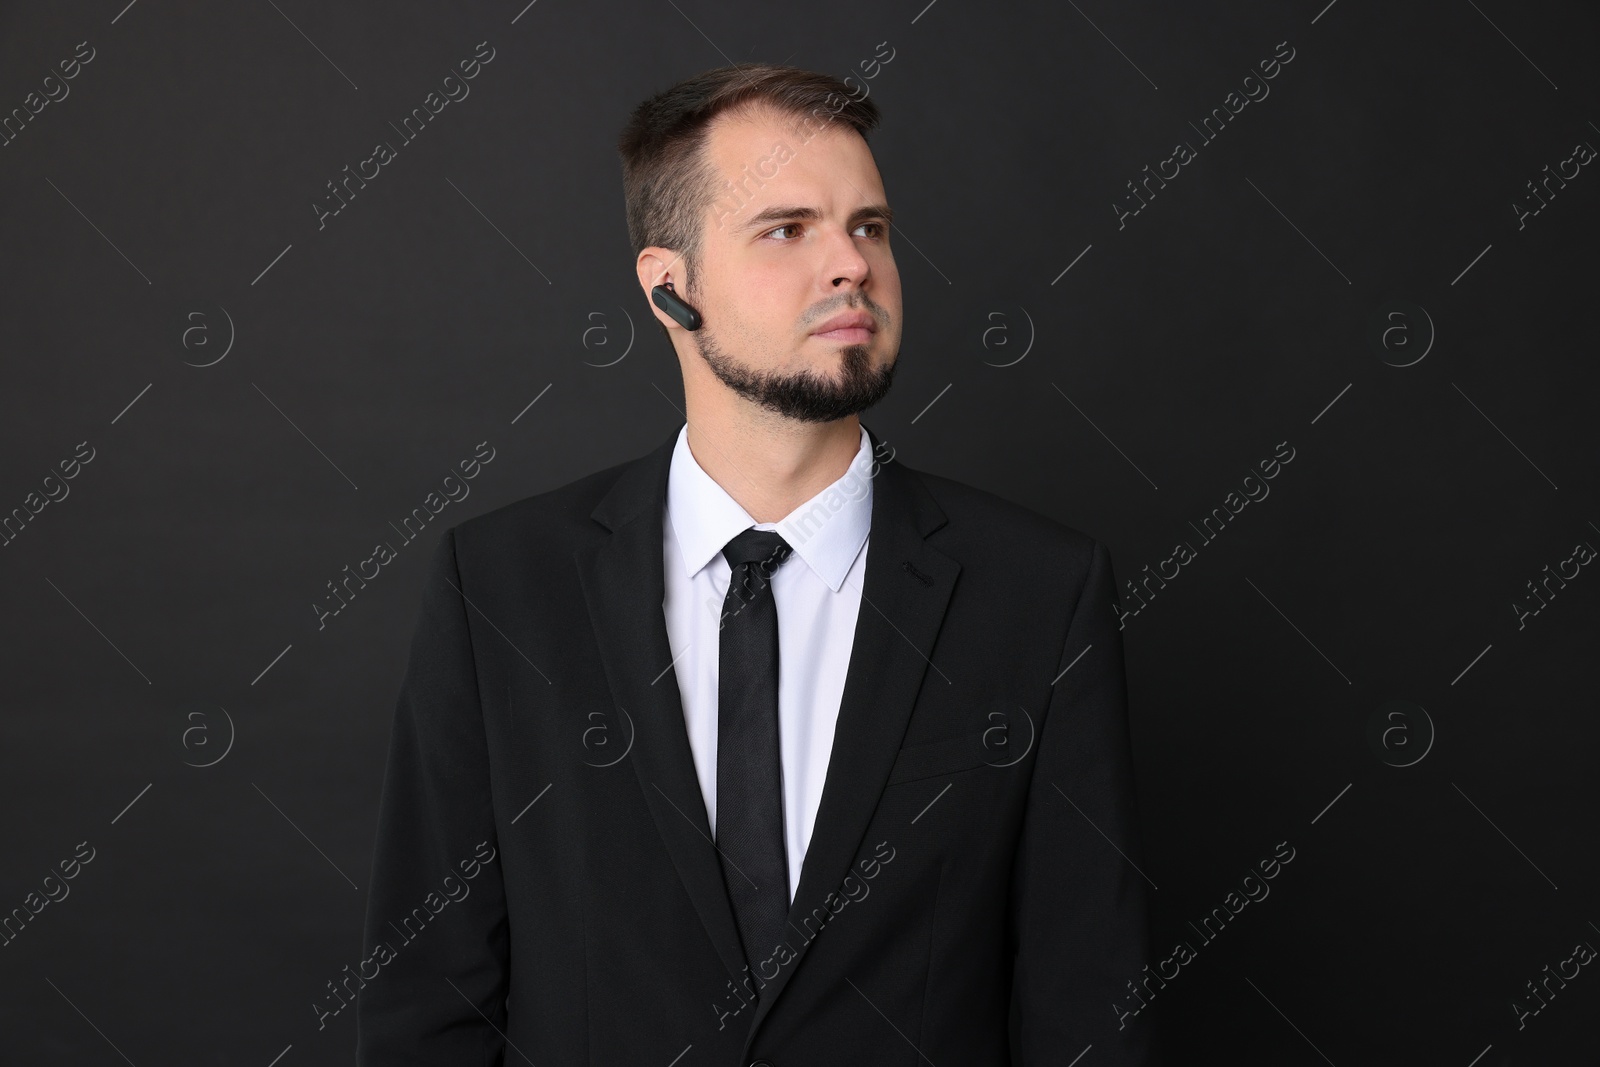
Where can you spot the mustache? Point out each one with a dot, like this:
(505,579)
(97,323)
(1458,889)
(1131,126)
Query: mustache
(879,315)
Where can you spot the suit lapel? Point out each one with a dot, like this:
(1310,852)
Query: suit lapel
(624,586)
(905,592)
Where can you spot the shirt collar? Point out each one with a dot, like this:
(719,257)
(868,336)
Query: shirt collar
(827,531)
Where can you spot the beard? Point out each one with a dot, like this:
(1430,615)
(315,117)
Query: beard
(804,396)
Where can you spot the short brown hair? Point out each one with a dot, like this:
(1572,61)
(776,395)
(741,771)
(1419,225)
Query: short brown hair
(667,182)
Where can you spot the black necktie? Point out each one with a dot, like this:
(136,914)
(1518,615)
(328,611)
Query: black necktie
(749,774)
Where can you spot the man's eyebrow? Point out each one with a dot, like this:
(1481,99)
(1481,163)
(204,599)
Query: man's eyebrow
(783,213)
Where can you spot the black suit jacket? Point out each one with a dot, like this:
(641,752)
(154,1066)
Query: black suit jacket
(545,889)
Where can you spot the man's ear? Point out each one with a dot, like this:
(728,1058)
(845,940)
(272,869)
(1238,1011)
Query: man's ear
(657,266)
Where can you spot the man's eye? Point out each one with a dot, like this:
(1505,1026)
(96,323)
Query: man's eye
(877,229)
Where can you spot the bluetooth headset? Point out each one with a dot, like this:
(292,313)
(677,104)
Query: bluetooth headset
(670,302)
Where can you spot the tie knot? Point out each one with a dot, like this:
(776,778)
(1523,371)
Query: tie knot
(766,547)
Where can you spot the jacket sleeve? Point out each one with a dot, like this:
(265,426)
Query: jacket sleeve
(436,925)
(1078,908)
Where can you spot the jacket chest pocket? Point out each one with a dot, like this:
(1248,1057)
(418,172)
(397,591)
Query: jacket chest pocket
(949,756)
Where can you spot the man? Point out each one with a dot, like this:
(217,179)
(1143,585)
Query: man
(762,749)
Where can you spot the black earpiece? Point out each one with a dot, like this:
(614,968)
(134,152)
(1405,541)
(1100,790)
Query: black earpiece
(673,305)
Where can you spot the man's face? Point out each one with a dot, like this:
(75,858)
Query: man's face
(796,238)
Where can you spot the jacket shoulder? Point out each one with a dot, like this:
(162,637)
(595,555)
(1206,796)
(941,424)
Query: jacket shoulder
(554,517)
(983,520)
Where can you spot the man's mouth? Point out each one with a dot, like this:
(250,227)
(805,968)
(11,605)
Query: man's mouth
(854,327)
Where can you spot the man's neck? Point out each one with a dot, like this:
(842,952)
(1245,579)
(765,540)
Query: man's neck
(769,464)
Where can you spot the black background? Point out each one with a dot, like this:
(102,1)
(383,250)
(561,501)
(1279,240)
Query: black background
(164,607)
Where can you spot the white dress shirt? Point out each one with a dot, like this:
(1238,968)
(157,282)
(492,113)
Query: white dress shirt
(818,595)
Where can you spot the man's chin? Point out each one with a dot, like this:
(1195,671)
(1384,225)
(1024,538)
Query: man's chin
(838,381)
